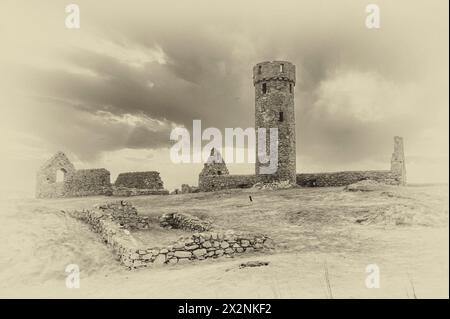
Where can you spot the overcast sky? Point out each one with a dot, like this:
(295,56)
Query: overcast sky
(109,93)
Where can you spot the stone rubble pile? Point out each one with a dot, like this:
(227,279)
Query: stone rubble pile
(273,185)
(112,220)
(255,263)
(184,221)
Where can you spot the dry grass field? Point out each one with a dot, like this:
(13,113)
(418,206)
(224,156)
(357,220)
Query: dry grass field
(324,239)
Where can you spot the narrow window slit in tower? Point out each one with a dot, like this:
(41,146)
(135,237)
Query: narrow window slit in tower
(259,69)
(290,87)
(281,119)
(264,88)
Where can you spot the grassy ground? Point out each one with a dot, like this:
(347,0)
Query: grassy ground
(325,238)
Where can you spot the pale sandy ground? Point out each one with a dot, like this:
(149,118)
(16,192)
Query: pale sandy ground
(402,230)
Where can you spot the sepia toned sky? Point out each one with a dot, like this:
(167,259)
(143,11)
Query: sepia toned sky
(108,94)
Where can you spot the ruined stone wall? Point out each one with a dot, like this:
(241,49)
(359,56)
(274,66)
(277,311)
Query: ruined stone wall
(215,182)
(54,190)
(129,192)
(186,189)
(46,184)
(215,165)
(125,214)
(214,169)
(105,220)
(140,180)
(274,108)
(88,182)
(395,176)
(345,178)
(139,184)
(398,165)
(111,233)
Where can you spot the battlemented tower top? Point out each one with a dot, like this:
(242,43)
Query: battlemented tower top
(274,70)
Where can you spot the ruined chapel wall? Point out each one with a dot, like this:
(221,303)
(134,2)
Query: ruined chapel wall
(105,219)
(210,183)
(53,190)
(46,184)
(336,179)
(88,182)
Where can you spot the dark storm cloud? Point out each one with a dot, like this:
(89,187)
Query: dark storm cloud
(209,54)
(87,134)
(179,91)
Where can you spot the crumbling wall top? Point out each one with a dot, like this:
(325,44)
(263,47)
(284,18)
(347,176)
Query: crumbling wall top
(274,70)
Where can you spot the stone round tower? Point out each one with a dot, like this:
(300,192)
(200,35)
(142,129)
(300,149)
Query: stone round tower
(274,83)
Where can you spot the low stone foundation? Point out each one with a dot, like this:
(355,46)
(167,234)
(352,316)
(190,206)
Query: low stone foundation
(125,214)
(128,192)
(113,221)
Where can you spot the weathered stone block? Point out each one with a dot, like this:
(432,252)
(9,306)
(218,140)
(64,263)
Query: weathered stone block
(224,244)
(245,243)
(199,252)
(220,252)
(183,254)
(160,259)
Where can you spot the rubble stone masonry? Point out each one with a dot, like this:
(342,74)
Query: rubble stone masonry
(274,83)
(335,179)
(73,183)
(92,182)
(114,220)
(140,180)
